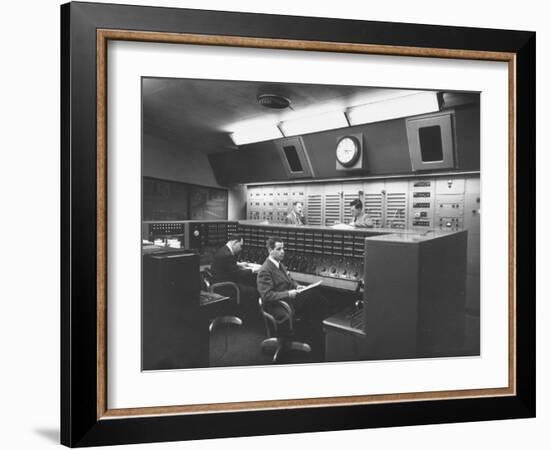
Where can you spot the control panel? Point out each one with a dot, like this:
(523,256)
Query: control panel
(171,233)
(163,229)
(450,213)
(449,205)
(421,200)
(207,237)
(204,236)
(336,254)
(411,203)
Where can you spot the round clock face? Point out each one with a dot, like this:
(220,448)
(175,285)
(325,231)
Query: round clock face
(347,151)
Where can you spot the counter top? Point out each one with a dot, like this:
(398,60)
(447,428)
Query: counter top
(152,249)
(412,237)
(397,235)
(370,231)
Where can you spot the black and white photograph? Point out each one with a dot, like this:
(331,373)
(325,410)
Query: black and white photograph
(294,223)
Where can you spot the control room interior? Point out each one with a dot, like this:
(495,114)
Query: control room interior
(232,157)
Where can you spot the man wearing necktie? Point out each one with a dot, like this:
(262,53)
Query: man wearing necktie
(275,283)
(296,216)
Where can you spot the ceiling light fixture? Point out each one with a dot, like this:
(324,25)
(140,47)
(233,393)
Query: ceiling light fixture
(254,131)
(394,108)
(258,130)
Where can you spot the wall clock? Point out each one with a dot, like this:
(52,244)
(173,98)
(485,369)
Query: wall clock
(349,152)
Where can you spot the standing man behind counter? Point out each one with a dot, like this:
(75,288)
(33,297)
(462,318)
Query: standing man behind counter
(225,268)
(360,219)
(296,216)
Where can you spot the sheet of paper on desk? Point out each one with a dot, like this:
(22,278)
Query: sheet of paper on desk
(253,267)
(342,226)
(311,286)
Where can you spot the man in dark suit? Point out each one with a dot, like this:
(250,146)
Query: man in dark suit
(225,268)
(275,283)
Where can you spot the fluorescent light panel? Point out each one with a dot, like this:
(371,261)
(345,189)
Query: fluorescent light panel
(255,132)
(312,124)
(395,108)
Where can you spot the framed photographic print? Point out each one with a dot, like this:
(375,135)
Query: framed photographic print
(274,224)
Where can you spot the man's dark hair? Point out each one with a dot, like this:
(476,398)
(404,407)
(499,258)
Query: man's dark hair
(234,237)
(296,202)
(357,204)
(271,241)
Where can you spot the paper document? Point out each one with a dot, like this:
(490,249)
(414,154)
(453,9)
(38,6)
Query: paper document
(248,265)
(342,226)
(311,286)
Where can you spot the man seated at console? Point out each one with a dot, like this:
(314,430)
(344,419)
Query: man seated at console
(275,283)
(296,216)
(360,219)
(225,268)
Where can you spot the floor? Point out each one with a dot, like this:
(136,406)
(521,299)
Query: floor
(241,345)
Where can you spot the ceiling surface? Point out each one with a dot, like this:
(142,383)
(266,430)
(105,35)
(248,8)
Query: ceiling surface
(201,114)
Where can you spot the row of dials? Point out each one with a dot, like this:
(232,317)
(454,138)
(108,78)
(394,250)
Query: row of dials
(324,266)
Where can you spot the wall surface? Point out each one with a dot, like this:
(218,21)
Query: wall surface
(30,137)
(162,159)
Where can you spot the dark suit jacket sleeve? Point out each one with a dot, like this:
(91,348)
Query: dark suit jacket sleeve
(226,269)
(230,266)
(266,288)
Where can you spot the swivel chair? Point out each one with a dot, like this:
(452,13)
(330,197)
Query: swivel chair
(211,287)
(275,315)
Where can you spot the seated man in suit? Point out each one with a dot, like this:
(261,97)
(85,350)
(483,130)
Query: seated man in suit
(296,217)
(225,268)
(275,283)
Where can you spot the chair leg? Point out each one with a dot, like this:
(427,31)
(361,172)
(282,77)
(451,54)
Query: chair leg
(277,353)
(300,346)
(273,343)
(224,320)
(278,345)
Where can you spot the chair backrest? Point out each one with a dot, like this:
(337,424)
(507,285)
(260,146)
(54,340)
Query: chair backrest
(270,324)
(206,279)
